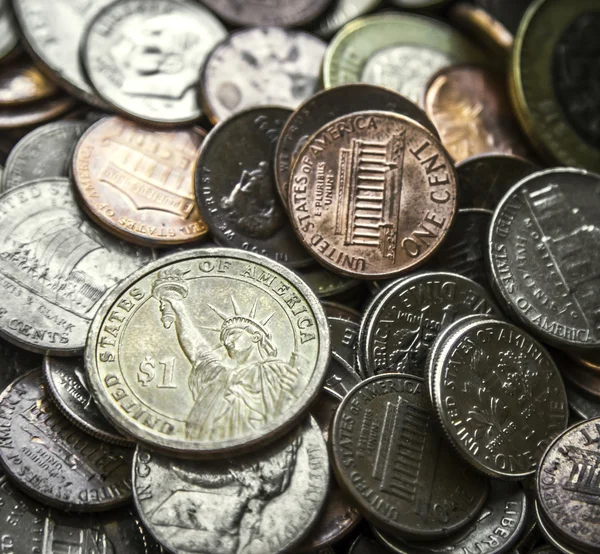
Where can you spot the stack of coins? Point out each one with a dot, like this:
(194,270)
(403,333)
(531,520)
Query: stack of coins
(303,276)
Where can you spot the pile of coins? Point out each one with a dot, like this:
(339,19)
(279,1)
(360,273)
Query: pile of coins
(306,276)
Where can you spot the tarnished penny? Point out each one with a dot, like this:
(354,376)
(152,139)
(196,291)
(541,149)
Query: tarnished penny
(139,183)
(469,106)
(235,349)
(567,484)
(51,459)
(259,503)
(499,397)
(21,82)
(543,254)
(328,105)
(373,195)
(388,455)
(235,187)
(261,66)
(33,114)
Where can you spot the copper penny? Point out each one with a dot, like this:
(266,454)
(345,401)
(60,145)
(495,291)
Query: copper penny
(469,106)
(138,183)
(35,113)
(22,82)
(373,194)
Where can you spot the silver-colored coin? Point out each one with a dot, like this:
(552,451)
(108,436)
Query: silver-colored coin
(340,380)
(557,542)
(342,373)
(9,35)
(263,502)
(582,405)
(341,13)
(51,459)
(67,383)
(45,152)
(235,349)
(543,254)
(55,267)
(53,33)
(258,67)
(144,57)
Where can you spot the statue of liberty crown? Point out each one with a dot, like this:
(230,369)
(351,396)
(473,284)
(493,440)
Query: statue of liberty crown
(238,320)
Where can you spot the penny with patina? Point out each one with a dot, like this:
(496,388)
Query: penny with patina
(261,66)
(36,113)
(235,187)
(406,318)
(55,267)
(51,459)
(236,348)
(486,178)
(67,384)
(144,57)
(499,397)
(21,82)
(388,455)
(496,530)
(138,182)
(469,106)
(543,245)
(373,195)
(262,502)
(282,13)
(325,283)
(567,484)
(328,105)
(52,32)
(45,152)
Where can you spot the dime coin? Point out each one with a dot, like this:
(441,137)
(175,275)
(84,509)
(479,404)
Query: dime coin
(144,57)
(340,380)
(236,348)
(542,255)
(486,178)
(45,152)
(15,362)
(21,82)
(407,317)
(497,529)
(235,187)
(139,183)
(53,33)
(51,459)
(372,195)
(581,405)
(499,397)
(469,106)
(342,12)
(465,246)
(328,105)
(344,339)
(35,113)
(567,484)
(55,267)
(553,81)
(262,502)
(261,66)
(509,14)
(388,455)
(325,283)
(67,382)
(398,51)
(9,35)
(282,13)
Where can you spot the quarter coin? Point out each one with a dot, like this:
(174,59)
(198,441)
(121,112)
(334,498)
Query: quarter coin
(21,82)
(373,195)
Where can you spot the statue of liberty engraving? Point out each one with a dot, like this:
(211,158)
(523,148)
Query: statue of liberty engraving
(238,383)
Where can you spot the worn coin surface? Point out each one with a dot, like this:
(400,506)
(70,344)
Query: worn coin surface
(341,13)
(266,501)
(235,187)
(486,178)
(45,152)
(67,383)
(235,349)
(55,266)
(372,194)
(51,459)
(542,244)
(138,182)
(499,397)
(405,319)
(554,81)
(262,66)
(328,105)
(35,113)
(389,456)
(496,530)
(53,33)
(144,57)
(567,484)
(21,82)
(469,106)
